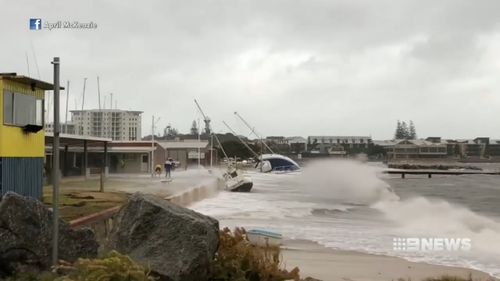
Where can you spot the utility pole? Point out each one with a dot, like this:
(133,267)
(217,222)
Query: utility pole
(211,149)
(199,140)
(153,145)
(55,166)
(66,115)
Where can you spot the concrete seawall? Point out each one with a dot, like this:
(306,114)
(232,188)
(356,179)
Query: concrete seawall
(195,194)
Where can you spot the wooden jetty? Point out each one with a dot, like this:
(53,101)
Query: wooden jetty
(429,173)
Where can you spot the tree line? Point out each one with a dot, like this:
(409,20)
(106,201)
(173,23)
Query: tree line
(405,131)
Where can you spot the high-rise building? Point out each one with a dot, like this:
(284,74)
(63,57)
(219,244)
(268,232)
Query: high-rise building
(116,124)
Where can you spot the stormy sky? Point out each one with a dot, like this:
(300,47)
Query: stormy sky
(289,67)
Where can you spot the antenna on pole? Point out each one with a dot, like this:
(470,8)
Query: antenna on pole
(28,63)
(211,131)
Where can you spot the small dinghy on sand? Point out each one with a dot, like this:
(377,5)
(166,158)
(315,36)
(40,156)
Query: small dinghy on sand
(264,238)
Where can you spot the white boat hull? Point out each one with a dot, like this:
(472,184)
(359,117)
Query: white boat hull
(264,238)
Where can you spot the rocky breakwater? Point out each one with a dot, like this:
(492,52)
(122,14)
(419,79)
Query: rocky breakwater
(26,236)
(176,243)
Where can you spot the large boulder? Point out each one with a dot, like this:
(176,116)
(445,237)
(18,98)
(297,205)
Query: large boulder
(174,242)
(26,236)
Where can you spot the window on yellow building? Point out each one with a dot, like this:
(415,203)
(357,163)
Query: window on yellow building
(21,110)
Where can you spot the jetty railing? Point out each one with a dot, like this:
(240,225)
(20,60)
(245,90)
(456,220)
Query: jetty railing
(429,173)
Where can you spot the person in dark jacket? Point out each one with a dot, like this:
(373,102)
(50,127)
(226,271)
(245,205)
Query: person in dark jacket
(168,168)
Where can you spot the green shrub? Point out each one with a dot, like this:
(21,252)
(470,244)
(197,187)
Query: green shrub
(237,260)
(113,267)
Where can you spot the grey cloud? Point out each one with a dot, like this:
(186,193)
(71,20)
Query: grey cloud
(293,67)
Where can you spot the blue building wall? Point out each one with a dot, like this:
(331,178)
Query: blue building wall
(23,175)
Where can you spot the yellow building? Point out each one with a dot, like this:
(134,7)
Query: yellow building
(22,139)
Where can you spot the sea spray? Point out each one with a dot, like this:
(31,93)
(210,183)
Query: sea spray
(345,181)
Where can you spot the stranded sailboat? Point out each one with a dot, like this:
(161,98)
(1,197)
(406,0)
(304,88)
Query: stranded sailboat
(272,162)
(233,180)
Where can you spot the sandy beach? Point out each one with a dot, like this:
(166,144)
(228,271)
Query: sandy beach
(326,264)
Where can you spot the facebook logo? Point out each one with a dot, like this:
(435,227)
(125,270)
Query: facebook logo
(35,24)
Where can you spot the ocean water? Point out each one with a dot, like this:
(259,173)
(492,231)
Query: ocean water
(353,206)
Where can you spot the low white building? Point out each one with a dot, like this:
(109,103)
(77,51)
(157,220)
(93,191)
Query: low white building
(409,149)
(362,140)
(187,152)
(338,145)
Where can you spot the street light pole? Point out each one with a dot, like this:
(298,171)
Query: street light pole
(55,165)
(153,144)
(211,149)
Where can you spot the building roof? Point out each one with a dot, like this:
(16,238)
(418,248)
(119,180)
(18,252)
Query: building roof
(384,142)
(467,141)
(78,137)
(184,144)
(420,142)
(28,81)
(340,137)
(74,140)
(107,110)
(344,139)
(296,139)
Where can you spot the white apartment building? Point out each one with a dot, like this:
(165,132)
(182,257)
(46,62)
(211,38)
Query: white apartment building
(116,124)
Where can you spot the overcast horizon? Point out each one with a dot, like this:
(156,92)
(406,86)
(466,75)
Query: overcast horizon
(291,68)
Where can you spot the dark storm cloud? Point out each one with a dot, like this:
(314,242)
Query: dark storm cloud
(290,67)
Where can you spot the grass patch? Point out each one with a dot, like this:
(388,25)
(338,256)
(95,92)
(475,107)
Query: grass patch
(82,197)
(74,204)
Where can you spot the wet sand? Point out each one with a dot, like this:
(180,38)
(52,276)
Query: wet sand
(331,265)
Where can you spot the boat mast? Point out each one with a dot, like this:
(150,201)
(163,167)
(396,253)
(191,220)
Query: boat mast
(241,140)
(253,131)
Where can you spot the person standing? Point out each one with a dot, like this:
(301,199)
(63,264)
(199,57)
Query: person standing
(168,167)
(158,170)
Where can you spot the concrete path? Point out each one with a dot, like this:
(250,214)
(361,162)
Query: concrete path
(182,183)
